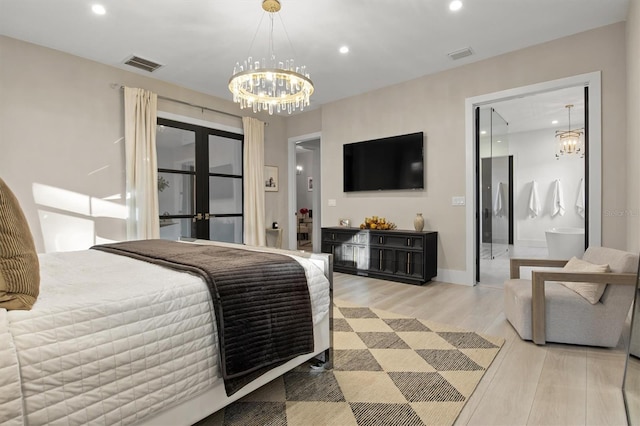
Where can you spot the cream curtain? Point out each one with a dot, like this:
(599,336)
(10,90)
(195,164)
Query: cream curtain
(254,228)
(140,116)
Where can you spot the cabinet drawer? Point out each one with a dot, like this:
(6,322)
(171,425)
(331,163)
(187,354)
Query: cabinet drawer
(346,237)
(395,240)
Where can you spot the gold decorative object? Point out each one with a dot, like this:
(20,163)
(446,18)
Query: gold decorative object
(375,222)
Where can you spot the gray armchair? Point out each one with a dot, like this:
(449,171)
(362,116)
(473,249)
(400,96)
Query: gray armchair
(542,309)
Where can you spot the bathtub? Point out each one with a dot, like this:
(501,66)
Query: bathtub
(564,243)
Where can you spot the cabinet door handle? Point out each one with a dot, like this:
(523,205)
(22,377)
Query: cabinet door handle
(355,260)
(408,263)
(381,252)
(380,240)
(408,242)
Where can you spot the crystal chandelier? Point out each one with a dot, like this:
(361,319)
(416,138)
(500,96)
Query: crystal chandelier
(270,85)
(570,141)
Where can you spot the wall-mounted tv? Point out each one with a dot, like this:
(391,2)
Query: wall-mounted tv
(384,164)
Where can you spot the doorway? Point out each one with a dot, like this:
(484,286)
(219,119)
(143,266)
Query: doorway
(306,156)
(588,88)
(304,193)
(200,182)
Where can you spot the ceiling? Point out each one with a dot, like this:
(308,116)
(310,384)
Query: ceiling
(390,41)
(539,111)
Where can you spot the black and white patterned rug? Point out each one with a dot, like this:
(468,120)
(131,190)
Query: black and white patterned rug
(389,369)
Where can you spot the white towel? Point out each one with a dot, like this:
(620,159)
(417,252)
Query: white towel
(498,205)
(534,201)
(580,205)
(558,199)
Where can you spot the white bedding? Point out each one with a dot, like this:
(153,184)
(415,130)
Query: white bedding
(113,340)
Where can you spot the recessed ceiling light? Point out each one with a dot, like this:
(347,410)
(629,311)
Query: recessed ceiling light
(499,141)
(455,5)
(554,122)
(344,50)
(483,132)
(98,9)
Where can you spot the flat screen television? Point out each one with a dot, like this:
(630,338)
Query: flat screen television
(384,164)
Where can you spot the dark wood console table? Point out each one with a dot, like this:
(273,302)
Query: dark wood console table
(404,256)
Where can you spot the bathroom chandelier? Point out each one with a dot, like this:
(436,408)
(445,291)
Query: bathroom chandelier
(271,85)
(570,141)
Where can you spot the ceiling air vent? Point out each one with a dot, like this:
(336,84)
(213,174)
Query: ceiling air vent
(143,64)
(462,53)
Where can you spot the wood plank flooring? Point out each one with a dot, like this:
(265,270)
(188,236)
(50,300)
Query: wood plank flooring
(526,384)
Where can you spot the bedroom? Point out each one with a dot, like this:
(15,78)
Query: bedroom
(62,127)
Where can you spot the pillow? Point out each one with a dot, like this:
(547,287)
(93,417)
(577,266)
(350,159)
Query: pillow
(19,267)
(590,291)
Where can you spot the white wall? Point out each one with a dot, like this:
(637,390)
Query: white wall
(61,127)
(435,104)
(61,142)
(534,159)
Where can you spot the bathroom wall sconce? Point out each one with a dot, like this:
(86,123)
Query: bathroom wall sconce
(298,170)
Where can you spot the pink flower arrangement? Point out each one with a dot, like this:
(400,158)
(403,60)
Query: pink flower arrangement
(304,210)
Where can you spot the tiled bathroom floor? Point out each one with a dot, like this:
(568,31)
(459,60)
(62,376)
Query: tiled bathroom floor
(493,272)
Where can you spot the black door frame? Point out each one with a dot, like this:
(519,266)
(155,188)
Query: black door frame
(477,183)
(201,216)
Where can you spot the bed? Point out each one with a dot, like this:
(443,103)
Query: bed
(115,340)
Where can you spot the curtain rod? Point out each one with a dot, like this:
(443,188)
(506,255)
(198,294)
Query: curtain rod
(178,101)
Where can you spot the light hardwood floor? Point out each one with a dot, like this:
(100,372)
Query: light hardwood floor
(526,384)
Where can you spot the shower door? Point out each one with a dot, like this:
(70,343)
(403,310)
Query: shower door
(494,182)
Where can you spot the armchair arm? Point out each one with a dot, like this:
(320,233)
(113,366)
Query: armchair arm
(516,263)
(538,278)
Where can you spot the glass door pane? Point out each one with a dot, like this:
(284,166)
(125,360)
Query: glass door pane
(176,181)
(494,184)
(225,189)
(499,185)
(486,184)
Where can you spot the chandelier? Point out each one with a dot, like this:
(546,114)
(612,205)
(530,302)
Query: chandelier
(570,141)
(270,85)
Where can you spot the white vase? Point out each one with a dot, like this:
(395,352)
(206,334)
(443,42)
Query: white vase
(418,222)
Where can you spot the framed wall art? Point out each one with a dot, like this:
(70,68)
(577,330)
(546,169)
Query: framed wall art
(271,178)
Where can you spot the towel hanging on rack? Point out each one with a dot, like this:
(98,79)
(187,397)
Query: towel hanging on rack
(534,201)
(498,205)
(558,199)
(580,201)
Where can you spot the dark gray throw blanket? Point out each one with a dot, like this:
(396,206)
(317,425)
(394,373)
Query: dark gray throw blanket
(261,301)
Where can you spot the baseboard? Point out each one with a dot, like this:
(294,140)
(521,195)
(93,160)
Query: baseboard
(453,276)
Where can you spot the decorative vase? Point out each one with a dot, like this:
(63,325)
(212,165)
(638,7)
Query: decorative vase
(418,222)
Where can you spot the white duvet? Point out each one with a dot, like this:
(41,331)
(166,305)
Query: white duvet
(112,340)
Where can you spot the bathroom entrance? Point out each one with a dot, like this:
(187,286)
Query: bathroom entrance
(531,187)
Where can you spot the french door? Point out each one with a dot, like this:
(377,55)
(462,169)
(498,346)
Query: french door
(200,182)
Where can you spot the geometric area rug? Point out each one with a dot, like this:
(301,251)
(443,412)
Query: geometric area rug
(388,369)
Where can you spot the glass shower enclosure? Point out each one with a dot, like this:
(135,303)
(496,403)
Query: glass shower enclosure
(494,181)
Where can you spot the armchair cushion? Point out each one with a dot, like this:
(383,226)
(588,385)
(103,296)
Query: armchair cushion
(590,291)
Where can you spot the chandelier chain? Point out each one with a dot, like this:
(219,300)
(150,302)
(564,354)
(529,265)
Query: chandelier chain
(253,40)
(286,33)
